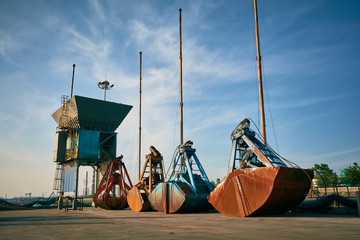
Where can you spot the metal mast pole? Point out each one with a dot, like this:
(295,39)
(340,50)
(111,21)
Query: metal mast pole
(72,81)
(258,57)
(86,184)
(75,203)
(181,93)
(140,120)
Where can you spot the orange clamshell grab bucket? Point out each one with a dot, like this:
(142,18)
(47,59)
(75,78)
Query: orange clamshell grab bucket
(262,184)
(152,174)
(138,201)
(261,191)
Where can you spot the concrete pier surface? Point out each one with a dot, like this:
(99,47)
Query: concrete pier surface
(95,223)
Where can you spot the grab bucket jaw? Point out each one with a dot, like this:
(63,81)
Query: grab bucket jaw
(258,181)
(152,174)
(115,178)
(184,190)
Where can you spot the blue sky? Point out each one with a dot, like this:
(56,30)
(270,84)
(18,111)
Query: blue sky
(310,64)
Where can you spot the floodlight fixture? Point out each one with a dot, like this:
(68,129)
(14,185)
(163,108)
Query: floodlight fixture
(106,86)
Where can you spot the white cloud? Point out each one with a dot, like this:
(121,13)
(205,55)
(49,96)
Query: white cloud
(336,160)
(90,49)
(139,32)
(98,9)
(332,154)
(9,43)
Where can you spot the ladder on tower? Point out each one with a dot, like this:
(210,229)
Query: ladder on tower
(58,177)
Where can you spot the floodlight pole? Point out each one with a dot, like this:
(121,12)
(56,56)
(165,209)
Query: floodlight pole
(106,86)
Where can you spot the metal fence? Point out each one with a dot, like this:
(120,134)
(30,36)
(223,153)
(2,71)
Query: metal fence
(345,191)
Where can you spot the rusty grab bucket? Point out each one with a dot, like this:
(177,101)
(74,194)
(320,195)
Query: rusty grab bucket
(258,181)
(138,200)
(151,175)
(261,191)
(112,203)
(114,178)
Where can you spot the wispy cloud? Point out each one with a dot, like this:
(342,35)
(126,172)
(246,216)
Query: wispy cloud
(336,160)
(332,154)
(308,101)
(10,43)
(98,9)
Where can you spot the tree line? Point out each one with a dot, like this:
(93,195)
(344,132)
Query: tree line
(326,177)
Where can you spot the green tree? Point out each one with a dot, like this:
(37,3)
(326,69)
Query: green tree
(217,182)
(325,177)
(351,175)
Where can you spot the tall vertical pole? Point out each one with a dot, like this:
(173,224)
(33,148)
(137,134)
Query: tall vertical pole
(258,57)
(97,169)
(86,184)
(93,183)
(72,81)
(140,120)
(181,98)
(181,92)
(75,205)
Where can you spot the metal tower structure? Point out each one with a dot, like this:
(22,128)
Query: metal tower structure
(85,136)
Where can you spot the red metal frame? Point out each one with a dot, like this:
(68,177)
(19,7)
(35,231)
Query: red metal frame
(115,174)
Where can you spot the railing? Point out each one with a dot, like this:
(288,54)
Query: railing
(345,191)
